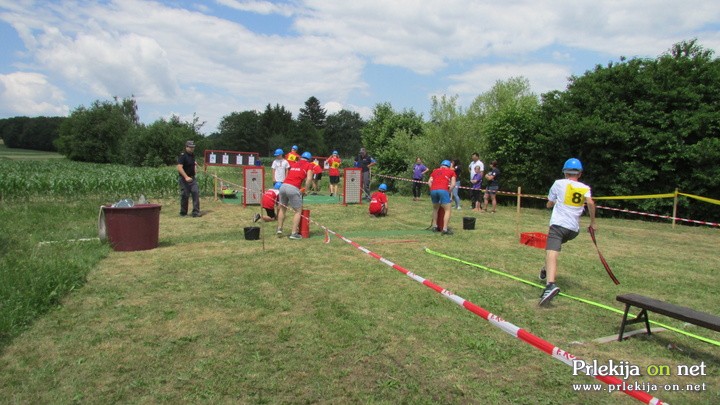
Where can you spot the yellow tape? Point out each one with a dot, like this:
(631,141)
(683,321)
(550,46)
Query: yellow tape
(697,197)
(635,197)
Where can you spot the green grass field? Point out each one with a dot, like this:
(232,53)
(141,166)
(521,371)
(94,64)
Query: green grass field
(210,317)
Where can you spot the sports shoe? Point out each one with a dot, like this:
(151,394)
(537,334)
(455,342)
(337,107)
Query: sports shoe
(551,290)
(279,231)
(447,232)
(434,229)
(256,218)
(295,236)
(543,273)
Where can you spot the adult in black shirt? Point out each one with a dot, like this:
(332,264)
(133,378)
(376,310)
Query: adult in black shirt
(188,182)
(365,162)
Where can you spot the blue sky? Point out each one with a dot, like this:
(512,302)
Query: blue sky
(212,58)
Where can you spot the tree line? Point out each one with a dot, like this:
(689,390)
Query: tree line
(640,126)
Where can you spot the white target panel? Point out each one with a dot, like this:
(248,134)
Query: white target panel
(254,183)
(352,186)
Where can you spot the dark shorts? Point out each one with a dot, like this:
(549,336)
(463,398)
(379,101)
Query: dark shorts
(557,235)
(270,212)
(334,179)
(492,190)
(317,176)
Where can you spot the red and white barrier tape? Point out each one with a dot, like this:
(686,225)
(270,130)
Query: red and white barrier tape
(694,221)
(507,327)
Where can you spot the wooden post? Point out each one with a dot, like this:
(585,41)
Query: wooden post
(675,208)
(215,198)
(517,214)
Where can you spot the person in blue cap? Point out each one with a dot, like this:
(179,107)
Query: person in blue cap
(567,198)
(333,163)
(279,166)
(441,181)
(379,202)
(269,203)
(293,155)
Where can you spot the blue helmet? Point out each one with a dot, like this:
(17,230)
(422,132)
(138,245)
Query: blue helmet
(306,155)
(572,165)
(445,163)
(278,152)
(294,147)
(277,185)
(335,152)
(382,187)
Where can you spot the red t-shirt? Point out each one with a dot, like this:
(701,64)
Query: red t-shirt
(292,156)
(441,178)
(376,201)
(298,172)
(270,198)
(334,164)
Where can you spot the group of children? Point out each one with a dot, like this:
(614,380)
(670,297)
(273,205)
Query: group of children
(567,197)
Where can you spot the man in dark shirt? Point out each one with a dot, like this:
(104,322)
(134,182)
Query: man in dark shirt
(188,182)
(365,162)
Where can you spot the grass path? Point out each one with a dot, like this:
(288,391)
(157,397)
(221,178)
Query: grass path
(209,317)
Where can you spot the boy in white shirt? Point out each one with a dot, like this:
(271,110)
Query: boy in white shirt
(567,198)
(280,166)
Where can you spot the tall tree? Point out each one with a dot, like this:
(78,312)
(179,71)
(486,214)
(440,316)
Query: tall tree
(240,131)
(276,126)
(343,132)
(380,132)
(314,113)
(639,125)
(95,134)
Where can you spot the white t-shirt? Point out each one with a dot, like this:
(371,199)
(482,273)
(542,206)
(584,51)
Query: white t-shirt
(472,167)
(280,167)
(569,197)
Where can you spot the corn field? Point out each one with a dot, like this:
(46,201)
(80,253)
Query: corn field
(67,179)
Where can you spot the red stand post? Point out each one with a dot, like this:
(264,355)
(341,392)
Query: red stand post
(305,224)
(440,220)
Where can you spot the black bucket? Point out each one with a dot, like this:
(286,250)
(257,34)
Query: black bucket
(469,223)
(252,232)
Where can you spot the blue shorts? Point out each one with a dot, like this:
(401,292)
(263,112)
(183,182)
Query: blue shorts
(440,197)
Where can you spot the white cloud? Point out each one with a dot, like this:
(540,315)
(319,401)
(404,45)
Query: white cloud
(259,7)
(30,94)
(175,59)
(543,77)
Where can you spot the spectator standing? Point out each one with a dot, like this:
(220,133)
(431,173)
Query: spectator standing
(279,166)
(567,198)
(476,181)
(365,162)
(419,170)
(455,191)
(475,161)
(186,166)
(441,181)
(493,178)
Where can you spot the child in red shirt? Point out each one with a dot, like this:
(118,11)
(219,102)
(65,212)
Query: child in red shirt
(334,163)
(379,202)
(269,203)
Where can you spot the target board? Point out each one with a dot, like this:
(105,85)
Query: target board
(230,158)
(352,186)
(254,183)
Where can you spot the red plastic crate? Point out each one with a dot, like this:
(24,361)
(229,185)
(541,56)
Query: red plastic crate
(534,239)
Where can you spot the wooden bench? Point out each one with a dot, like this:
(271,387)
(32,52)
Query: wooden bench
(674,311)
